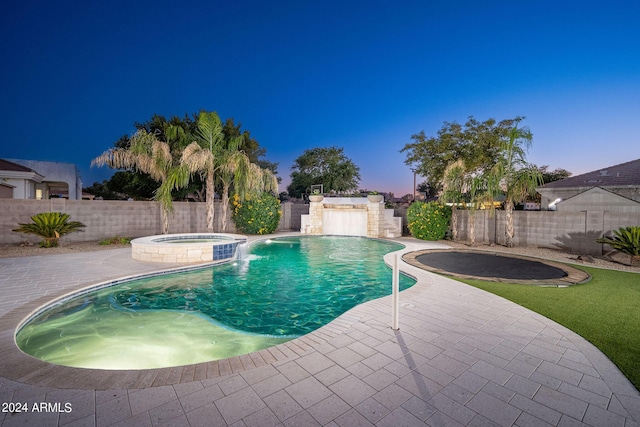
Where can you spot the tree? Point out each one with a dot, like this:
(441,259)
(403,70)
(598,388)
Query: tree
(551,176)
(468,189)
(200,156)
(427,189)
(250,146)
(240,166)
(327,166)
(247,177)
(211,154)
(512,175)
(177,132)
(476,143)
(454,186)
(146,153)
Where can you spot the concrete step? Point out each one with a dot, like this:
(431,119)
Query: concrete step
(388,232)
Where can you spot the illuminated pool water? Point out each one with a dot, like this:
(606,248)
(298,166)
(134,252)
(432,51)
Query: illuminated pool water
(283,288)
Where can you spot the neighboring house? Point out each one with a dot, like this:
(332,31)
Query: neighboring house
(32,179)
(17,181)
(614,189)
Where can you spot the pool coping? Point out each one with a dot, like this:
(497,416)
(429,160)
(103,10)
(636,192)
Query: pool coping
(462,317)
(24,368)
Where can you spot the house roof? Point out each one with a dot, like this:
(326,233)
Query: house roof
(6,165)
(622,175)
(610,195)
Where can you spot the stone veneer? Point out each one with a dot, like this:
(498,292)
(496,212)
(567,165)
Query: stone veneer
(375,215)
(165,249)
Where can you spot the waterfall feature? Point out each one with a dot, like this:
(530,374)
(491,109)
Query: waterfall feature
(350,216)
(345,222)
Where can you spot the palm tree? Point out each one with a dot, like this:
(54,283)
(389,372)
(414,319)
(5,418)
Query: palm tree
(454,185)
(513,176)
(479,197)
(233,167)
(149,155)
(212,156)
(260,180)
(467,187)
(201,156)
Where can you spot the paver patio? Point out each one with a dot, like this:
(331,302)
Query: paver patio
(461,357)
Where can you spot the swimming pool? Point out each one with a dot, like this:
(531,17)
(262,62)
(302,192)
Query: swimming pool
(281,289)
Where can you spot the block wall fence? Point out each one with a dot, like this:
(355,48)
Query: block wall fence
(574,232)
(109,218)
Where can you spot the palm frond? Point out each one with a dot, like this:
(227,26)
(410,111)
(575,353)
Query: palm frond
(197,159)
(115,158)
(209,130)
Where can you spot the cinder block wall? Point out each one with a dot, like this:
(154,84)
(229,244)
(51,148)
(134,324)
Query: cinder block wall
(574,232)
(109,218)
(569,231)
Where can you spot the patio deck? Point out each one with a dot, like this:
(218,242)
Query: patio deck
(461,357)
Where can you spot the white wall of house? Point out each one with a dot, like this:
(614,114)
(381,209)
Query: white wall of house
(56,174)
(22,188)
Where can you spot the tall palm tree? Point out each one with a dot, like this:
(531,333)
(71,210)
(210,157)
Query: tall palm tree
(455,183)
(479,197)
(260,180)
(146,153)
(213,157)
(246,177)
(201,155)
(513,176)
(233,166)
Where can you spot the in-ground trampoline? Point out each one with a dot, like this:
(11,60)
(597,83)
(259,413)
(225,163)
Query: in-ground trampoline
(496,267)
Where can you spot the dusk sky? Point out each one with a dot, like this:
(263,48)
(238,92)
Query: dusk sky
(77,75)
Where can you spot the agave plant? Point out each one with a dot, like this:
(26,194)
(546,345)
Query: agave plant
(50,226)
(625,240)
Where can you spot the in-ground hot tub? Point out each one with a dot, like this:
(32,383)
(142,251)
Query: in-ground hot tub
(187,247)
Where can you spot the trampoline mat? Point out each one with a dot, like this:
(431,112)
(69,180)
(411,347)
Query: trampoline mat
(490,265)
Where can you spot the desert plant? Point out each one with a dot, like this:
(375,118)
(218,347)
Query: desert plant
(428,221)
(258,213)
(50,226)
(625,240)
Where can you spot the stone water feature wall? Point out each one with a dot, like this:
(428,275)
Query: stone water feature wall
(350,216)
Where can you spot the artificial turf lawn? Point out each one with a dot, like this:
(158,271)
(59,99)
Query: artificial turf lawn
(605,311)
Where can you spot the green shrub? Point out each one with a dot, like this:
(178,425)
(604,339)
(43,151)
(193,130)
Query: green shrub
(117,240)
(625,240)
(257,213)
(428,221)
(50,226)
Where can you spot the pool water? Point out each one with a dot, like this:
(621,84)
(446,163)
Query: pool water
(283,288)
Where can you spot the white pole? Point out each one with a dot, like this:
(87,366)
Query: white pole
(395,281)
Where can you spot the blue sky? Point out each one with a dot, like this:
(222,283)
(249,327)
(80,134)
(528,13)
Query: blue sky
(365,76)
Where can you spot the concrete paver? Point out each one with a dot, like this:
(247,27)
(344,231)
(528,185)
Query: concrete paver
(461,357)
